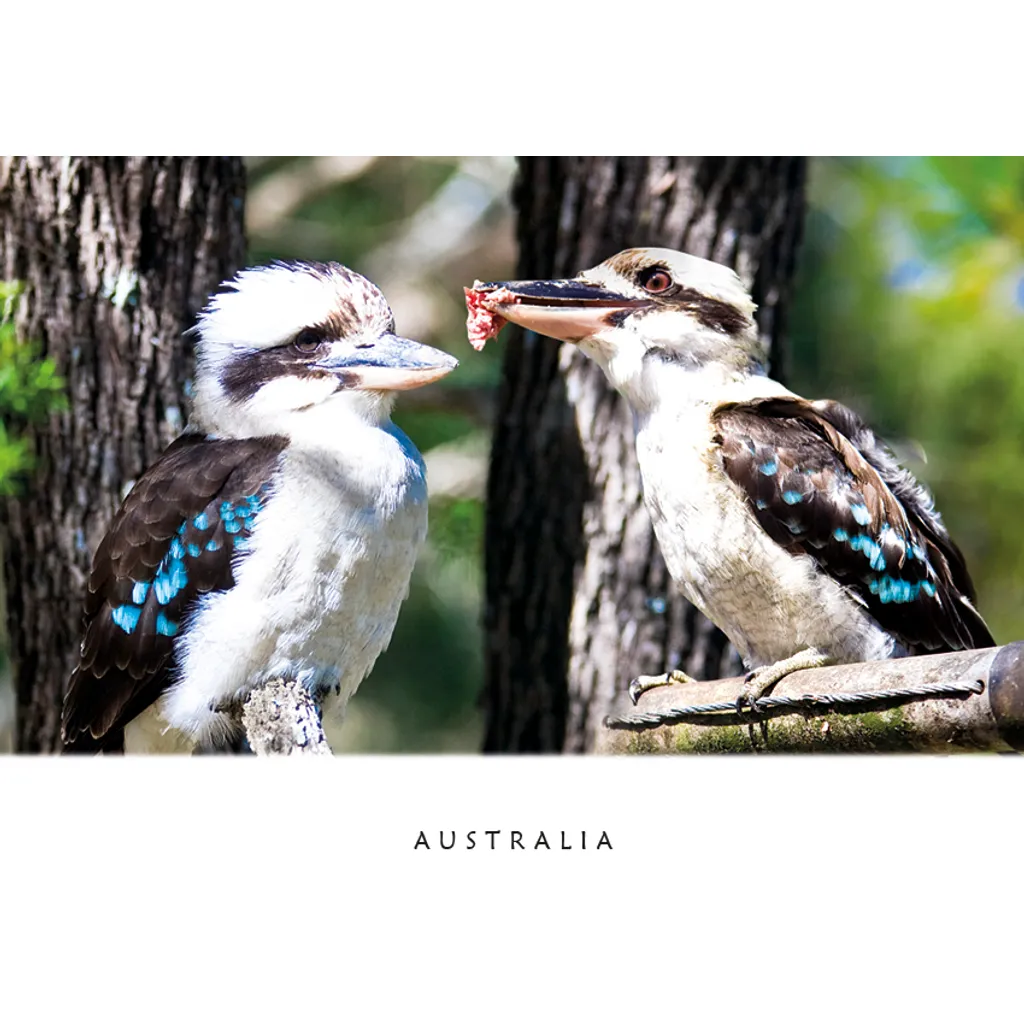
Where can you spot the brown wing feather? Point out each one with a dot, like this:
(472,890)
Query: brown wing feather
(820,483)
(176,536)
(910,493)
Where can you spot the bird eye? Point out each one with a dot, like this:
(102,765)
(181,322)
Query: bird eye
(307,341)
(655,281)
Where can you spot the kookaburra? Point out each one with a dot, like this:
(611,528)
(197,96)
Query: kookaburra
(785,521)
(277,535)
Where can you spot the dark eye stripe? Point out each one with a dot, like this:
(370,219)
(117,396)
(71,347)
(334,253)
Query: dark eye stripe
(249,371)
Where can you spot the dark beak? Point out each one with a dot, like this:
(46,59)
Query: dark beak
(389,364)
(569,310)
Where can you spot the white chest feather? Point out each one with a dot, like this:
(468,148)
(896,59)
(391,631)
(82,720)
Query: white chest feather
(769,603)
(318,596)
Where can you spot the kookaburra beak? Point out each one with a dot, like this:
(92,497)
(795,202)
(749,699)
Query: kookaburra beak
(389,363)
(568,310)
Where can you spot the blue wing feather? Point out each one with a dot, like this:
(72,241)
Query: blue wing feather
(844,500)
(177,535)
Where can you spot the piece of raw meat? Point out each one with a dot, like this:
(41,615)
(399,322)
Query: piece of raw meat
(481,323)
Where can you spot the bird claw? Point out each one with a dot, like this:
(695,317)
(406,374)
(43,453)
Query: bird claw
(753,691)
(642,684)
(747,704)
(759,681)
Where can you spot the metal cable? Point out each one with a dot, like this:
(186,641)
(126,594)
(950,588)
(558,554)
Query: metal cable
(812,701)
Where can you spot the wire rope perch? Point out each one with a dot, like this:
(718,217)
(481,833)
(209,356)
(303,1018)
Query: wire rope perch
(282,717)
(966,700)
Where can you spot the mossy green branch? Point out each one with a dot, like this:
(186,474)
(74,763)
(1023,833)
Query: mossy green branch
(872,731)
(988,715)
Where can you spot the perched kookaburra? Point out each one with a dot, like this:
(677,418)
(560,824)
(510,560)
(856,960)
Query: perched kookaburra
(786,522)
(277,535)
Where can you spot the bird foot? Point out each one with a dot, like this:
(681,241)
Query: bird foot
(757,683)
(642,684)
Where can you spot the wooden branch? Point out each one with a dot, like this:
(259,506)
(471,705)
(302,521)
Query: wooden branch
(990,720)
(281,717)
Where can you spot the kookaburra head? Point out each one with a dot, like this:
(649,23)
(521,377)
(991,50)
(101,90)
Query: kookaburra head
(639,310)
(288,348)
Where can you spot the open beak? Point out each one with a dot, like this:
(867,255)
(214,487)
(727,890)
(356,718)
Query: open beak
(569,310)
(390,364)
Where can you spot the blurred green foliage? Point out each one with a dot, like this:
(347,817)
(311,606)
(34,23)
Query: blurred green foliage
(346,219)
(459,528)
(909,306)
(30,390)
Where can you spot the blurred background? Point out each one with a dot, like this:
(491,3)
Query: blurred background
(909,306)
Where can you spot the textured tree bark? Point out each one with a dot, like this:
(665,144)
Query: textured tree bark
(117,255)
(578,600)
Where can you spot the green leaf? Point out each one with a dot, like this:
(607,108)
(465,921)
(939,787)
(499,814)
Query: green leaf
(31,391)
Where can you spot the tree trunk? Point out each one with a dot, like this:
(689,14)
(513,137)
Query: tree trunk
(578,597)
(116,255)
